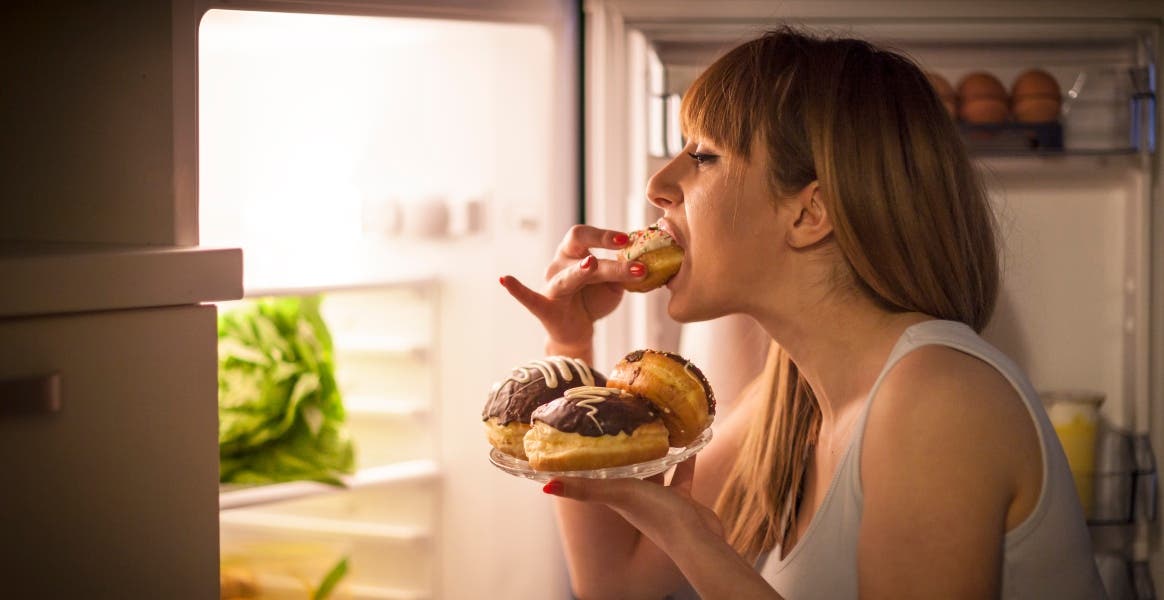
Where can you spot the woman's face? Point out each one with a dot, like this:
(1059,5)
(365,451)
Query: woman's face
(721,211)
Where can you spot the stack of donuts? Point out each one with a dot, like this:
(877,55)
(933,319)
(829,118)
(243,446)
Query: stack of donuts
(560,415)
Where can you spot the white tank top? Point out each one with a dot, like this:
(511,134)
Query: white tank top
(1048,555)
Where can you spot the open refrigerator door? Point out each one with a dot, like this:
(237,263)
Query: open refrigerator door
(380,166)
(1074,191)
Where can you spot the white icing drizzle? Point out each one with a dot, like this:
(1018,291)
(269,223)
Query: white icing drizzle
(688,368)
(551,368)
(589,397)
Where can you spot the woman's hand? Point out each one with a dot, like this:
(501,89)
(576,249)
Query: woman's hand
(580,288)
(667,514)
(688,532)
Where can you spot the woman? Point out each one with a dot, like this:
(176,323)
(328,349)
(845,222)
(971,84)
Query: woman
(888,451)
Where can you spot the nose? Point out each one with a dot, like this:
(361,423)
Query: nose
(663,189)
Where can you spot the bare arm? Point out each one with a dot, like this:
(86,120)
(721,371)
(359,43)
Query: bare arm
(609,558)
(950,462)
(611,554)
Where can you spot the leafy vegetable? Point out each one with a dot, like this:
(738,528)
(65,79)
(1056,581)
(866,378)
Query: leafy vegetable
(330,580)
(280,415)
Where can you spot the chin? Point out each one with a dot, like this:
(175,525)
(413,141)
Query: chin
(684,309)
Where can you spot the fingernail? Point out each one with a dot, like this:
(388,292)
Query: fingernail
(638,270)
(587,262)
(620,239)
(554,487)
(501,280)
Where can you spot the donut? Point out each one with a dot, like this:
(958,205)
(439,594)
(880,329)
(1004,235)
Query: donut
(677,388)
(657,250)
(512,402)
(594,428)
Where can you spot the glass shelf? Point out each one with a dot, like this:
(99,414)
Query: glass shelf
(323,526)
(233,496)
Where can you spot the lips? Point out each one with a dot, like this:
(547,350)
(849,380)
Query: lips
(666,225)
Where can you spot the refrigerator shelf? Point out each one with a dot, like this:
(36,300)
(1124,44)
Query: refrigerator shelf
(375,406)
(285,586)
(231,497)
(375,283)
(328,527)
(382,345)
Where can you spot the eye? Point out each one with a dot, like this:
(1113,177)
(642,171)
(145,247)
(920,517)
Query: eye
(702,158)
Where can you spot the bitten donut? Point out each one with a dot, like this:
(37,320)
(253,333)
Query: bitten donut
(512,401)
(657,250)
(594,428)
(677,388)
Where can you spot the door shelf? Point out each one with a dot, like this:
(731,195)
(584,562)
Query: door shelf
(1125,486)
(231,497)
(1125,579)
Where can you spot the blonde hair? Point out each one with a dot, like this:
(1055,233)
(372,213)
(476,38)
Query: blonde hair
(910,218)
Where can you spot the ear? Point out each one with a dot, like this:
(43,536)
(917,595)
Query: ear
(812,223)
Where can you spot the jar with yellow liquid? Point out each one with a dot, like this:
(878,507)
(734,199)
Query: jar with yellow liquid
(1075,416)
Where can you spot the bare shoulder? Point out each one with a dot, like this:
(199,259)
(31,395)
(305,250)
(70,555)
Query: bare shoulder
(947,388)
(944,409)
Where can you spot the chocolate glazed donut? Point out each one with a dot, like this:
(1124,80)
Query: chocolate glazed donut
(512,401)
(593,428)
(677,388)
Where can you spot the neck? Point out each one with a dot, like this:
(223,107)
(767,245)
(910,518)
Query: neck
(840,347)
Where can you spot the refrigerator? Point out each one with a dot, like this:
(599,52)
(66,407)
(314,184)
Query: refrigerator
(1078,205)
(394,165)
(393,159)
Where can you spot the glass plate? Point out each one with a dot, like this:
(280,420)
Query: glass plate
(521,468)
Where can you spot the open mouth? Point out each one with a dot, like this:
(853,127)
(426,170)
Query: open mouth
(667,227)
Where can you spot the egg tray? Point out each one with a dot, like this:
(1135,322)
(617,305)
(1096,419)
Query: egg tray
(1010,137)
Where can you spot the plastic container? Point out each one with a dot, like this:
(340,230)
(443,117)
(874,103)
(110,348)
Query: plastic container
(1075,416)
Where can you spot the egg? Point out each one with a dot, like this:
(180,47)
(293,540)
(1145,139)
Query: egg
(945,91)
(1035,97)
(983,99)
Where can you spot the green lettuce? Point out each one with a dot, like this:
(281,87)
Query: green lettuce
(280,414)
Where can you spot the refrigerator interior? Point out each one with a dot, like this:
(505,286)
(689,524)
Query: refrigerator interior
(395,167)
(1073,217)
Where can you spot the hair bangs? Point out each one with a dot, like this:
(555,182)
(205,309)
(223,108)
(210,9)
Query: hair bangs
(723,104)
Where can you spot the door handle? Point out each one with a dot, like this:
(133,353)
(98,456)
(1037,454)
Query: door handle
(32,395)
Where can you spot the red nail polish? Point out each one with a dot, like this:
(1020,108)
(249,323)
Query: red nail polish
(553,487)
(638,270)
(620,239)
(587,262)
(501,280)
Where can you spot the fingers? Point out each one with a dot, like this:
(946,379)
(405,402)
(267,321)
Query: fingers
(606,491)
(531,300)
(590,270)
(684,475)
(581,238)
